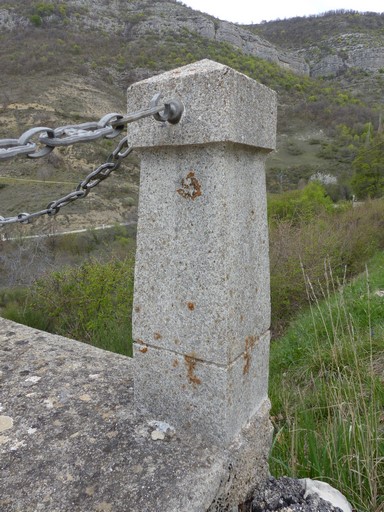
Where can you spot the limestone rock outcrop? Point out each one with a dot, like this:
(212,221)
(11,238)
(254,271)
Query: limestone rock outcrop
(346,51)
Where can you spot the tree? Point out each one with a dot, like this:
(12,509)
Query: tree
(368,181)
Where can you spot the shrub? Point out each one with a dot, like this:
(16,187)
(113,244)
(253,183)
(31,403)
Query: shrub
(36,20)
(369,168)
(90,303)
(297,205)
(44,9)
(294,149)
(347,238)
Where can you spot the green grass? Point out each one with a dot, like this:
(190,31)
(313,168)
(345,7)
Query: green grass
(327,390)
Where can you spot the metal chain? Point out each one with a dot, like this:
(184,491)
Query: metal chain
(109,127)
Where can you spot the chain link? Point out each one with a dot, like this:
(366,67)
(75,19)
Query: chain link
(109,126)
(95,177)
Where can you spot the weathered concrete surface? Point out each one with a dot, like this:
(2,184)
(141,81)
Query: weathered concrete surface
(70,440)
(202,263)
(221,105)
(202,301)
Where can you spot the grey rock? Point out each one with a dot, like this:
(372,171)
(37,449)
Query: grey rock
(169,18)
(136,20)
(346,51)
(326,492)
(289,495)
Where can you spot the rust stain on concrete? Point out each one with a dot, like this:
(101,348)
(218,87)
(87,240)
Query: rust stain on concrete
(191,188)
(191,362)
(250,342)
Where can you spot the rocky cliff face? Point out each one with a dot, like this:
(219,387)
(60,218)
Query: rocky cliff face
(138,19)
(331,43)
(167,18)
(346,51)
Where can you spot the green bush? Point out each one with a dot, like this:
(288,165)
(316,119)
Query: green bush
(62,10)
(78,302)
(90,303)
(44,9)
(294,149)
(298,205)
(346,237)
(36,20)
(368,180)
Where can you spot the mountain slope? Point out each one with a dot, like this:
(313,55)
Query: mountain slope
(132,21)
(332,43)
(69,62)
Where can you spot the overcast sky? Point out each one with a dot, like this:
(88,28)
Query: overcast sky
(253,11)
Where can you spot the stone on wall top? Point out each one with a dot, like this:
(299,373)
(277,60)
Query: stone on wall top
(221,105)
(71,440)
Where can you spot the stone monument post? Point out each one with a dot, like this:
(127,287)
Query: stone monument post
(202,302)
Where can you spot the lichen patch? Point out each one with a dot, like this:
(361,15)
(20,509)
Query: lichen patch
(6,423)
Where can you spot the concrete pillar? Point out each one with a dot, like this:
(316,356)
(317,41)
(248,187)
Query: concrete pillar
(202,303)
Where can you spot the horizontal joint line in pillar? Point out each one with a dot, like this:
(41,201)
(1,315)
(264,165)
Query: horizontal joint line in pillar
(154,347)
(198,359)
(165,145)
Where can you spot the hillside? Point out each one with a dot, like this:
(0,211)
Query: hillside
(332,43)
(69,62)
